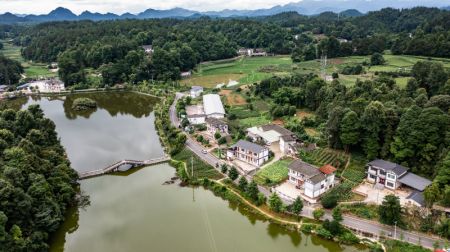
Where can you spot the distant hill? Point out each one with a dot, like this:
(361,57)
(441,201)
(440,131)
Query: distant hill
(351,13)
(347,8)
(9,18)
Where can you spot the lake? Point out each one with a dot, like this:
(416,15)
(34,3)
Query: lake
(134,211)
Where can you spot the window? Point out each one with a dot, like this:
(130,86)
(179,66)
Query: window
(372,176)
(322,186)
(382,172)
(390,184)
(391,176)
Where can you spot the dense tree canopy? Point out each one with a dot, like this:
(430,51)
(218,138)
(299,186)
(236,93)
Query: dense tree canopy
(410,126)
(10,71)
(37,184)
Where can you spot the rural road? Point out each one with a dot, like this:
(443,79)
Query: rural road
(352,222)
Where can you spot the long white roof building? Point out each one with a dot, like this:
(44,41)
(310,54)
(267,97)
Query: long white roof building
(213,106)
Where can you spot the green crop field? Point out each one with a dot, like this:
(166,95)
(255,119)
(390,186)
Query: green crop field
(32,70)
(254,121)
(394,63)
(275,173)
(245,70)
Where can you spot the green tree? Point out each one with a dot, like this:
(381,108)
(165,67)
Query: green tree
(275,203)
(373,120)
(243,184)
(432,194)
(377,59)
(233,173)
(252,190)
(329,200)
(318,213)
(337,214)
(297,206)
(390,210)
(350,129)
(224,168)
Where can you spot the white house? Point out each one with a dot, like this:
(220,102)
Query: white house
(195,114)
(213,106)
(186,74)
(196,91)
(314,181)
(248,152)
(271,134)
(148,49)
(392,176)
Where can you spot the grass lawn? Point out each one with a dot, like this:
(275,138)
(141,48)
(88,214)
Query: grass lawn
(254,121)
(243,112)
(201,169)
(276,172)
(362,210)
(244,70)
(31,70)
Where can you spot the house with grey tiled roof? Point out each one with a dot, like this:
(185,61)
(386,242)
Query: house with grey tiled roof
(313,180)
(393,176)
(273,134)
(248,152)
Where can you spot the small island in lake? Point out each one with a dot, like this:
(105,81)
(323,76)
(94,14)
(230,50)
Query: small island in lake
(84,104)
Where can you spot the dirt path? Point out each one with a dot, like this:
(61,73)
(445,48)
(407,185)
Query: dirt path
(346,165)
(266,214)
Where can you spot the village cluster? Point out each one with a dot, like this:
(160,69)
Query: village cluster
(266,144)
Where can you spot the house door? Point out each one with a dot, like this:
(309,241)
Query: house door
(382,181)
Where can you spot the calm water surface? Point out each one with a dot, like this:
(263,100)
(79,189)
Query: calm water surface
(120,128)
(134,211)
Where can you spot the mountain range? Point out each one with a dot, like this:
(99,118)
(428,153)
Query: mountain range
(305,7)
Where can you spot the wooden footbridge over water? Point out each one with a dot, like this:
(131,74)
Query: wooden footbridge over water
(117,166)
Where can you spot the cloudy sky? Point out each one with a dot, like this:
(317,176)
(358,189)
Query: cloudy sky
(133,6)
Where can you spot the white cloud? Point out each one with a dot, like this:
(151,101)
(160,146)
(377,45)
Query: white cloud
(133,6)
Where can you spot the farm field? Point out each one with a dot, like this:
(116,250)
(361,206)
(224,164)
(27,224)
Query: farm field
(31,70)
(274,173)
(394,63)
(245,70)
(249,70)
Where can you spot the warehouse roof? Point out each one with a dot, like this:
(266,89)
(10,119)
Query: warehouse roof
(212,104)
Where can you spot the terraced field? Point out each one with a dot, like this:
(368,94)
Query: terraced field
(324,156)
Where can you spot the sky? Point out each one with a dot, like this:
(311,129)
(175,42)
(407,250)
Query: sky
(132,6)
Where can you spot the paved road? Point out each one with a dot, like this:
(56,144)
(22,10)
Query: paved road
(349,221)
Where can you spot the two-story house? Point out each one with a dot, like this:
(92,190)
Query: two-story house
(248,152)
(392,176)
(385,173)
(314,181)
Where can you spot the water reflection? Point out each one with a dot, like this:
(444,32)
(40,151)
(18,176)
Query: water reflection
(122,127)
(116,103)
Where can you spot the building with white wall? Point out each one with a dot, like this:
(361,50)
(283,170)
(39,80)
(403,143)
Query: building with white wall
(314,181)
(248,152)
(213,106)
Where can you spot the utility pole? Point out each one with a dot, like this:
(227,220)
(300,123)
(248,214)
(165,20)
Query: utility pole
(395,230)
(192,166)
